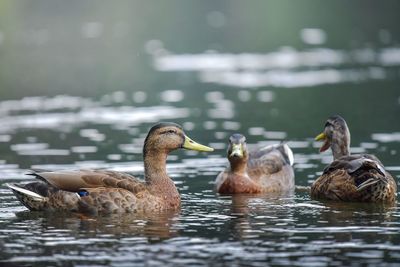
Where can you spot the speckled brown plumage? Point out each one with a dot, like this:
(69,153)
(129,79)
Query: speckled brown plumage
(358,178)
(264,170)
(102,191)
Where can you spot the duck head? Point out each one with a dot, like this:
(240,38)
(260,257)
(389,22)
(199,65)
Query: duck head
(165,137)
(237,151)
(336,135)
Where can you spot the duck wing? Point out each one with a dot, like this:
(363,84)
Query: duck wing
(269,160)
(355,178)
(363,170)
(112,200)
(75,180)
(89,191)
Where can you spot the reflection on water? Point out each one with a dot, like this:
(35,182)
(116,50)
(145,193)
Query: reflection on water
(83,112)
(253,230)
(287,67)
(65,233)
(153,227)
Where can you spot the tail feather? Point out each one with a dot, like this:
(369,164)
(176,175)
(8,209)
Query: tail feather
(30,199)
(19,190)
(367,184)
(283,149)
(289,154)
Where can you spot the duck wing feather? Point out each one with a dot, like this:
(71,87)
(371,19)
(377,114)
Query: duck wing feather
(364,170)
(75,180)
(355,178)
(267,160)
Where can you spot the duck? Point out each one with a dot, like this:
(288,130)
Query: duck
(105,191)
(263,170)
(350,177)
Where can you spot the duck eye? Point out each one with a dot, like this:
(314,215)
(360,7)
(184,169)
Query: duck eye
(169,132)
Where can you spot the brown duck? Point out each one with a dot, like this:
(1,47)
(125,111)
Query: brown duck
(94,191)
(358,178)
(264,170)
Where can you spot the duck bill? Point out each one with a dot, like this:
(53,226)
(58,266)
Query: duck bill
(326,144)
(192,145)
(237,151)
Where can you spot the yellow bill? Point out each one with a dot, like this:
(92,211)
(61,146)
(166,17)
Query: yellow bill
(192,145)
(326,144)
(237,150)
(320,137)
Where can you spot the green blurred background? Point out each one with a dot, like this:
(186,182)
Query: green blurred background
(89,48)
(93,48)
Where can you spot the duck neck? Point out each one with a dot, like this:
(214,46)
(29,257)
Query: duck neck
(155,166)
(341,145)
(155,171)
(238,166)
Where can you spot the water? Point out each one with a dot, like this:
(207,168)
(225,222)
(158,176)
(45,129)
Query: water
(87,98)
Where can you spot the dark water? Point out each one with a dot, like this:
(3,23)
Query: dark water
(82,83)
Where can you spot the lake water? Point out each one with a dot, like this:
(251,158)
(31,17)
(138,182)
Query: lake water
(81,89)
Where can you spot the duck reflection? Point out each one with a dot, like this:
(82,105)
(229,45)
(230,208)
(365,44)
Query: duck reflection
(154,227)
(255,213)
(346,222)
(361,214)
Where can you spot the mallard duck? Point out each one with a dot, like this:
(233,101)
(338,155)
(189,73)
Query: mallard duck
(264,170)
(95,191)
(358,178)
